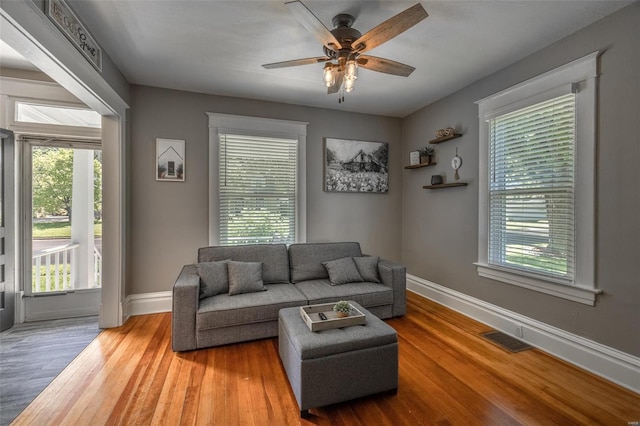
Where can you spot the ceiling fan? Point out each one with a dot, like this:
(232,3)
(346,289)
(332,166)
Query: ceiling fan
(344,46)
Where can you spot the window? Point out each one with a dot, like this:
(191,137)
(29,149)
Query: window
(257,189)
(27,112)
(531,182)
(55,118)
(537,173)
(257,180)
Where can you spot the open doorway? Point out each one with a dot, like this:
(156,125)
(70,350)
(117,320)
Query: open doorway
(25,28)
(61,193)
(63,273)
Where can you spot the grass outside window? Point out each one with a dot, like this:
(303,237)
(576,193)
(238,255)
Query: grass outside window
(55,230)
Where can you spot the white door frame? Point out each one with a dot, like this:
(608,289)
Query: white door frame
(7,231)
(25,28)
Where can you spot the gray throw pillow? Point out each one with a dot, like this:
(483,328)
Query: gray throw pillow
(245,277)
(213,278)
(342,271)
(368,268)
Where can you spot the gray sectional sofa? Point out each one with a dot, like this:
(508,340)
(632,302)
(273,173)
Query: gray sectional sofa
(206,312)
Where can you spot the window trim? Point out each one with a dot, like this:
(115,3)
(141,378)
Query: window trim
(256,126)
(580,74)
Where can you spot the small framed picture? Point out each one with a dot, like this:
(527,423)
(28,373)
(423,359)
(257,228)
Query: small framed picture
(414,158)
(170,160)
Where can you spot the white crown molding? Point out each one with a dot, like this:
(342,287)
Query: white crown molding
(606,362)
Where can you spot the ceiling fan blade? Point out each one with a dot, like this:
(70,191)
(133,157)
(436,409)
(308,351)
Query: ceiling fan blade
(390,28)
(336,86)
(313,24)
(296,62)
(386,66)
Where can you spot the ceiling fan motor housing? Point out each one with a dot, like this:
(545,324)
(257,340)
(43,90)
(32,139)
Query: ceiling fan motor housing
(344,34)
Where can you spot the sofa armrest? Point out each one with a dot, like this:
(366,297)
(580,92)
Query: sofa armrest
(186,299)
(395,276)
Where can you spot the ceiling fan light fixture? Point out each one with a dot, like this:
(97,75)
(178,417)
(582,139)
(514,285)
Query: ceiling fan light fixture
(351,71)
(329,75)
(349,84)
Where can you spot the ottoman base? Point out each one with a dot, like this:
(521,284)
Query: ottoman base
(338,377)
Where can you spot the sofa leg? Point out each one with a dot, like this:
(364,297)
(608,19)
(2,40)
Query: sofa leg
(305,414)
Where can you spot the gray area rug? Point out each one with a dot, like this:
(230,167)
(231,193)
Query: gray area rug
(32,354)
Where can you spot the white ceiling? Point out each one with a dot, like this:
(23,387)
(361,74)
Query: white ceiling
(218,47)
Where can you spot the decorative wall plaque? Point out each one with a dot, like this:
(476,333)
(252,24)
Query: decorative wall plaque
(68,23)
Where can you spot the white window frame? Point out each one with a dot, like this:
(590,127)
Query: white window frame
(255,126)
(24,127)
(580,74)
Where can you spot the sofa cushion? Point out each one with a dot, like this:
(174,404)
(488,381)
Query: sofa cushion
(213,278)
(342,271)
(368,268)
(365,293)
(306,259)
(245,277)
(274,257)
(225,311)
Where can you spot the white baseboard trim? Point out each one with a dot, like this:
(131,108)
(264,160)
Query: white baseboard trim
(66,313)
(609,363)
(147,303)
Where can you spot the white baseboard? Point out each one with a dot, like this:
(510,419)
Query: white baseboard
(609,363)
(147,303)
(66,313)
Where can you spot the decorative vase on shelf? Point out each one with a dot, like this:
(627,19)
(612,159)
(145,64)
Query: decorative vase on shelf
(426,153)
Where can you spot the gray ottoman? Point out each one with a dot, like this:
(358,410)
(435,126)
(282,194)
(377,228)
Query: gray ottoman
(331,366)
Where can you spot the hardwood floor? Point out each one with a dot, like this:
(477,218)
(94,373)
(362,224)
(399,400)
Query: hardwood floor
(449,375)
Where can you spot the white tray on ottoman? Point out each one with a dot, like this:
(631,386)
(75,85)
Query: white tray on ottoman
(311,316)
(318,362)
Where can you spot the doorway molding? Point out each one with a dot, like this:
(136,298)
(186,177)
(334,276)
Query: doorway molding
(25,28)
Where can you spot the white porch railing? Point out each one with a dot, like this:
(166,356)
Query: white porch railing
(52,270)
(97,267)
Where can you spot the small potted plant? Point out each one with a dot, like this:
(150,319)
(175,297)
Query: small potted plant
(342,308)
(426,152)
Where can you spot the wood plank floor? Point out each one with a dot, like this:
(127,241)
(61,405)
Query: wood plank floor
(449,375)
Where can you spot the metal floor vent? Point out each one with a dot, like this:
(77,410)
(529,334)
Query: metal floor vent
(505,341)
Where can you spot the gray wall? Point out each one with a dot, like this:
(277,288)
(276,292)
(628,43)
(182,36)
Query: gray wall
(169,220)
(439,232)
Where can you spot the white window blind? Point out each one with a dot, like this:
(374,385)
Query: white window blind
(532,178)
(257,189)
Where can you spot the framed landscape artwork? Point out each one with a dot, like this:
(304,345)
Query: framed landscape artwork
(356,166)
(170,160)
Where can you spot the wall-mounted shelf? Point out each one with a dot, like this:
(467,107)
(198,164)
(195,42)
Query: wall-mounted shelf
(417,166)
(446,138)
(445,185)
